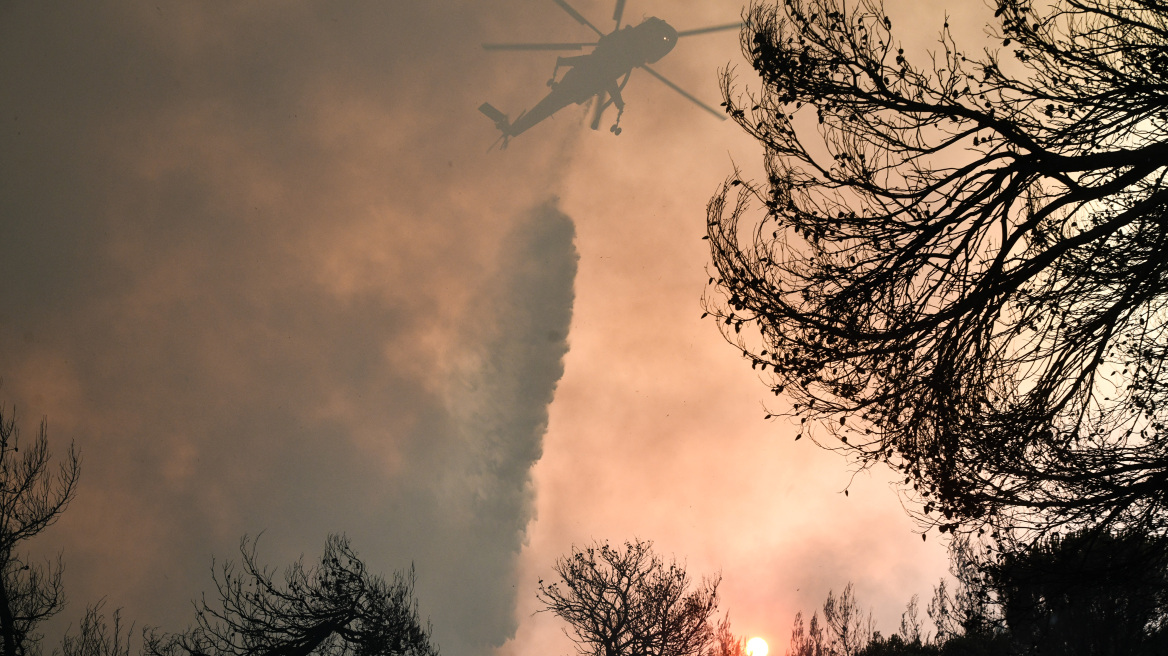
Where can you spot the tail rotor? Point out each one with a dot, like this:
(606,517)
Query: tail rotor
(501,122)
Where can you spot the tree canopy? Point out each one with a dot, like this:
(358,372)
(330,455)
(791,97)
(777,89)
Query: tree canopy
(334,609)
(628,602)
(1085,593)
(33,494)
(960,266)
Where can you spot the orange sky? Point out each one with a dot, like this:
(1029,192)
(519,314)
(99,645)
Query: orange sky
(260,266)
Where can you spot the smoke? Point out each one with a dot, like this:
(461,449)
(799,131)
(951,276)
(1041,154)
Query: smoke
(253,265)
(499,410)
(187,449)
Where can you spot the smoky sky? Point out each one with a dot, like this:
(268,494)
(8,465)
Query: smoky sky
(258,262)
(237,272)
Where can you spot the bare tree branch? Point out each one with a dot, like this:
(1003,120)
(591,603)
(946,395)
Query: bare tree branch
(334,609)
(627,602)
(32,497)
(962,267)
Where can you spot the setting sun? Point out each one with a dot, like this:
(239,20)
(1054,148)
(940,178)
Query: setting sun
(756,647)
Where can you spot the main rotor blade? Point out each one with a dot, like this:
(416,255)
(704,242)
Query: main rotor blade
(575,14)
(535,46)
(716,28)
(720,115)
(618,12)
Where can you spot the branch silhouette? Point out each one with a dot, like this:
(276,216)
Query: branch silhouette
(32,497)
(628,602)
(336,609)
(960,268)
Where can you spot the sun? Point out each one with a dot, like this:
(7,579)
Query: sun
(756,647)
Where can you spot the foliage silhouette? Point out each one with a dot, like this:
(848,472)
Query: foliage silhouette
(861,639)
(968,608)
(723,641)
(96,636)
(809,642)
(1081,594)
(334,609)
(850,627)
(962,268)
(895,645)
(845,631)
(628,602)
(910,624)
(32,498)
(1086,593)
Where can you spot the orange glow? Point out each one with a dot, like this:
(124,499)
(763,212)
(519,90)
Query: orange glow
(756,647)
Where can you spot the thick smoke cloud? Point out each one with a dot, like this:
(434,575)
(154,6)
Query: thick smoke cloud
(440,478)
(241,266)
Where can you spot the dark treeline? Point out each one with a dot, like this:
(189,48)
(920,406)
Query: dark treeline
(1081,594)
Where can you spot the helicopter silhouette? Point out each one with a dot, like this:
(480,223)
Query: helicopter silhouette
(602,73)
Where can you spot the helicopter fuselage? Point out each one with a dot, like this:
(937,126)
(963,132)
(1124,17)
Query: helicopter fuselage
(615,55)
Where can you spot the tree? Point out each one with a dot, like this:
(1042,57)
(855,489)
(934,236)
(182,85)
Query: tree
(910,624)
(1086,593)
(97,637)
(970,609)
(32,497)
(962,267)
(334,609)
(895,645)
(628,602)
(848,628)
(723,641)
(851,628)
(848,631)
(811,642)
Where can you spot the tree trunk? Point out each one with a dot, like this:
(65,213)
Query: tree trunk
(7,623)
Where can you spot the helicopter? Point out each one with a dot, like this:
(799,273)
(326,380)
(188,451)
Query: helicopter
(601,73)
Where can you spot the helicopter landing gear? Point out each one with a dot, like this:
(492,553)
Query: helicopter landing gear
(616,129)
